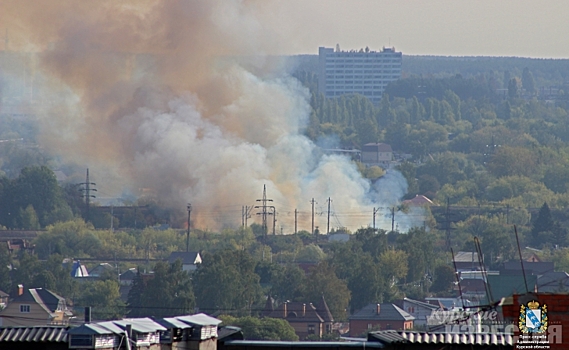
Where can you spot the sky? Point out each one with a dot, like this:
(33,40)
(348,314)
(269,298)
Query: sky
(525,28)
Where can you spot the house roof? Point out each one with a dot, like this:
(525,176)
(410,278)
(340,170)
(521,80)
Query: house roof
(377,147)
(188,258)
(100,269)
(418,200)
(466,257)
(387,312)
(505,285)
(537,268)
(200,319)
(90,328)
(34,334)
(323,310)
(295,311)
(422,304)
(79,270)
(3,294)
(553,282)
(393,337)
(46,299)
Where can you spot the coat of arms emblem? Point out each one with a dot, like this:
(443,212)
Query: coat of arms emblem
(533,318)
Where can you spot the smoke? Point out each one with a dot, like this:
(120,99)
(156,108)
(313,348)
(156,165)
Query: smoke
(153,96)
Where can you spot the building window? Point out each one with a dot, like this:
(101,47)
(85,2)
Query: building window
(311,329)
(369,326)
(25,308)
(388,326)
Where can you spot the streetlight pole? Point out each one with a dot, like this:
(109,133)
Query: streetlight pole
(189,207)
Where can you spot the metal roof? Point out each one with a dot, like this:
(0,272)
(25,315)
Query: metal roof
(200,320)
(141,325)
(34,334)
(91,328)
(303,344)
(173,322)
(391,336)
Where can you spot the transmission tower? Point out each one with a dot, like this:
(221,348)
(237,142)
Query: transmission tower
(86,193)
(264,213)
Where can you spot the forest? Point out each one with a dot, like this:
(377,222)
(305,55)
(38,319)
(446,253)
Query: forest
(486,139)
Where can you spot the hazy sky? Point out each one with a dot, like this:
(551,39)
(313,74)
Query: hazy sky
(526,28)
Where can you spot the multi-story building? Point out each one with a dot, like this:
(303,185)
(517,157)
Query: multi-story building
(363,72)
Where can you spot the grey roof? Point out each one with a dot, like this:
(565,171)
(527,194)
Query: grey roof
(173,322)
(90,328)
(265,344)
(422,304)
(391,336)
(537,268)
(200,320)
(34,334)
(387,312)
(466,257)
(141,325)
(552,282)
(188,258)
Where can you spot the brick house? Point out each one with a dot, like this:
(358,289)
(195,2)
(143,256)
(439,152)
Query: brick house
(305,318)
(382,316)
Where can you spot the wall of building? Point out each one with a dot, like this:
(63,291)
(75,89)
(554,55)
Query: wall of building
(358,327)
(357,72)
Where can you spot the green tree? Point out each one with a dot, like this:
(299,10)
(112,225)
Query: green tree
(226,282)
(261,328)
(528,83)
(543,223)
(5,263)
(322,281)
(444,278)
(104,299)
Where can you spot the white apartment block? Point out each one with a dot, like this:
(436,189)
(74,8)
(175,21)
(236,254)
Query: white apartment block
(363,72)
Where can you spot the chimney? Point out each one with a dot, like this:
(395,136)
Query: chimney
(87,314)
(20,289)
(284,307)
(303,310)
(377,309)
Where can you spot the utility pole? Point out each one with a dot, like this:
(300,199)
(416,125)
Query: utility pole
(312,202)
(112,217)
(374,212)
(295,221)
(87,194)
(328,225)
(189,207)
(392,219)
(274,218)
(264,207)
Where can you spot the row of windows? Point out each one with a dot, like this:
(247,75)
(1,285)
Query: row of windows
(344,92)
(360,77)
(340,86)
(384,61)
(360,71)
(361,66)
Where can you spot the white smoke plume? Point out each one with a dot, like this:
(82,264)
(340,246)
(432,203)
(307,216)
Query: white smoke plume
(152,96)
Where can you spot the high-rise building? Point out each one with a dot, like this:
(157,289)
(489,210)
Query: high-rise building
(363,72)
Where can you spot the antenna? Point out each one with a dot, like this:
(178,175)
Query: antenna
(521,260)
(457,279)
(484,274)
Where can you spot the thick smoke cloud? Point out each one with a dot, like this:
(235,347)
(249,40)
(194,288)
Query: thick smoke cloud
(153,95)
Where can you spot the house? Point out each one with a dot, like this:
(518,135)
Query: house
(35,307)
(190,260)
(467,261)
(418,201)
(553,282)
(382,316)
(530,267)
(3,299)
(103,269)
(420,310)
(379,154)
(306,319)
